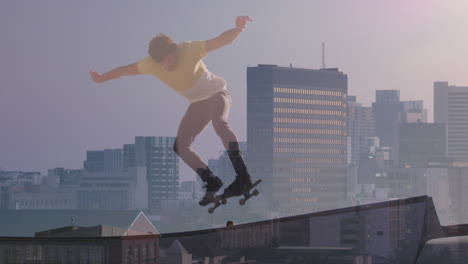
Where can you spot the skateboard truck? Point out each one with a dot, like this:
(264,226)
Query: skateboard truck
(248,196)
(218,201)
(222,199)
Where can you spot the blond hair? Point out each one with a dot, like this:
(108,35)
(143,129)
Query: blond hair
(160,46)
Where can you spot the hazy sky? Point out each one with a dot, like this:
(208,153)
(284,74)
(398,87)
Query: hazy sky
(51,112)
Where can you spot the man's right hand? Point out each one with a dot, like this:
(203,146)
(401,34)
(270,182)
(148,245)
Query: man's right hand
(241,22)
(97,78)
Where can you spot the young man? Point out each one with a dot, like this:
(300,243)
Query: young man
(181,67)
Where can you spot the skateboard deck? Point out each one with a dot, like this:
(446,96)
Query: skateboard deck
(219,200)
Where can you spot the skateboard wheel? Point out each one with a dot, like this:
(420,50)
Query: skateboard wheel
(255,192)
(242,201)
(211,210)
(223,201)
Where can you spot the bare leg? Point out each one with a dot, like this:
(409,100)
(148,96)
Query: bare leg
(195,120)
(221,107)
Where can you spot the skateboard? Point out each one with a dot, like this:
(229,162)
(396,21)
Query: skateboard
(219,200)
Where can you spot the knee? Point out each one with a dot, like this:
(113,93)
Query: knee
(182,145)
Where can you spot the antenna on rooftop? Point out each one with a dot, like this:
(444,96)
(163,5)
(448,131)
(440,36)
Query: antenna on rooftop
(323,56)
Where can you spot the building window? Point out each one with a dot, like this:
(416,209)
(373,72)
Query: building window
(129,255)
(136,255)
(144,253)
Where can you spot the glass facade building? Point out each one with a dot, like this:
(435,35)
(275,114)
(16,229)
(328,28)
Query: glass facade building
(451,108)
(162,167)
(297,136)
(361,125)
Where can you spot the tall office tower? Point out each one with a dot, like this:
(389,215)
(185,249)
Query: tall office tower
(361,125)
(414,112)
(296,136)
(451,108)
(419,143)
(129,156)
(389,112)
(162,167)
(107,160)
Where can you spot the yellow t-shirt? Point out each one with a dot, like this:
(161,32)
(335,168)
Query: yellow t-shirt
(188,69)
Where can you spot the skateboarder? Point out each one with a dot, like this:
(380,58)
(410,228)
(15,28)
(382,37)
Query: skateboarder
(181,67)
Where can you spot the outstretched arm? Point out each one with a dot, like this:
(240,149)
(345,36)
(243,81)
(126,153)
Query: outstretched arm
(131,69)
(228,36)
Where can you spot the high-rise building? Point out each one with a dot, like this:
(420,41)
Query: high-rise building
(419,143)
(162,167)
(129,155)
(361,125)
(107,160)
(297,136)
(451,108)
(389,112)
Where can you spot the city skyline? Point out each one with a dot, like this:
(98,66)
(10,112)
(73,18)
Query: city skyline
(59,92)
(186,173)
(410,156)
(343,123)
